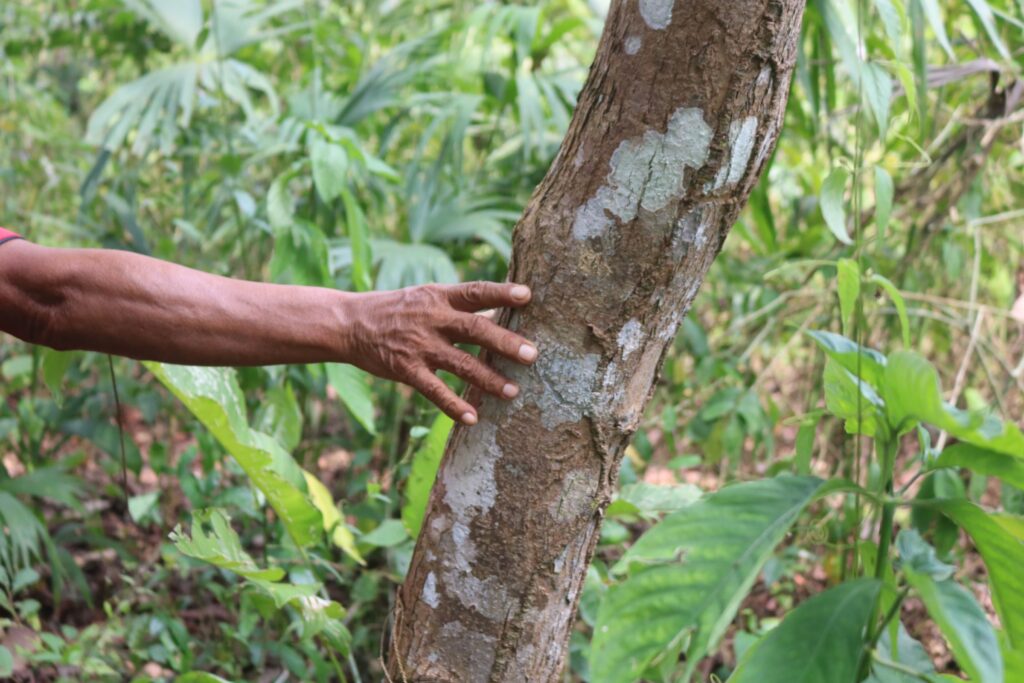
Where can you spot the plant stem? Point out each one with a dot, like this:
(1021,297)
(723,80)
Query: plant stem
(884,539)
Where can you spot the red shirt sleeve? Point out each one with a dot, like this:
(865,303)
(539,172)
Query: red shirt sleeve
(6,235)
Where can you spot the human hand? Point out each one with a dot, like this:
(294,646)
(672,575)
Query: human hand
(408,334)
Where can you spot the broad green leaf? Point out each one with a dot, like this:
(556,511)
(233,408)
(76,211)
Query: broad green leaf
(689,573)
(330,165)
(220,546)
(853,400)
(140,506)
(884,191)
(859,360)
(984,12)
(982,461)
(651,500)
(821,640)
(897,301)
(848,284)
(1004,556)
(963,623)
(425,462)
(334,523)
(934,16)
(912,392)
(213,396)
(6,662)
(55,365)
(918,556)
(833,206)
(353,387)
(390,533)
(877,90)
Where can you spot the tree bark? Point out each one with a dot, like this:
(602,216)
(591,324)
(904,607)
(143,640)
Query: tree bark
(678,117)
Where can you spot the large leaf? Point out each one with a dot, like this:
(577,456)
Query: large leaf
(213,396)
(821,640)
(424,470)
(723,541)
(982,461)
(964,624)
(853,400)
(912,392)
(1004,556)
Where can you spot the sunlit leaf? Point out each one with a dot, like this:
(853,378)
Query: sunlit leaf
(213,540)
(848,284)
(425,463)
(833,206)
(334,523)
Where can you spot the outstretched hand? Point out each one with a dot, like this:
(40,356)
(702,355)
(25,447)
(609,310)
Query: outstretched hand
(408,334)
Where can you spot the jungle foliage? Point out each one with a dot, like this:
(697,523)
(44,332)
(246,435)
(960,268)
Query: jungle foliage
(832,463)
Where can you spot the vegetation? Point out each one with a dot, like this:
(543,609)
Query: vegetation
(832,463)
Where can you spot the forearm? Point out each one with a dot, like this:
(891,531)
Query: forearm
(144,308)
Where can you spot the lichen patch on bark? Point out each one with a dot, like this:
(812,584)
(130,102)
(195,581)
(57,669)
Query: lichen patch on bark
(656,13)
(646,173)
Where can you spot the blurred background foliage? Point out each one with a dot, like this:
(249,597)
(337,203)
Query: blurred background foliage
(366,145)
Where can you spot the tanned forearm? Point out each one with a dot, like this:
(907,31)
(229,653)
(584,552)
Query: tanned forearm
(131,305)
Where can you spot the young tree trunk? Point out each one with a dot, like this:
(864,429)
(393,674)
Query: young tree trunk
(678,117)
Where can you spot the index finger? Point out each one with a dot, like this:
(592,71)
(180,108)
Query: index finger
(474,296)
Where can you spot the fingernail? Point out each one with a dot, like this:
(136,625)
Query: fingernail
(527,352)
(521,292)
(510,390)
(469,419)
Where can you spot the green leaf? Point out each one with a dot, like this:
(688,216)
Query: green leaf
(353,387)
(827,631)
(848,284)
(982,461)
(1004,556)
(877,90)
(220,546)
(55,365)
(918,556)
(897,301)
(857,359)
(140,506)
(853,400)
(934,16)
(892,20)
(6,662)
(912,392)
(334,523)
(359,237)
(200,677)
(984,12)
(651,500)
(833,207)
(390,533)
(280,417)
(213,396)
(425,462)
(689,573)
(963,623)
(330,165)
(884,192)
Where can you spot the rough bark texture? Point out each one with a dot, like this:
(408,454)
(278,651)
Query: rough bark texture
(678,117)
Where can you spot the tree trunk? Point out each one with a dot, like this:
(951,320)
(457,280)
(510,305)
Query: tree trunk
(678,117)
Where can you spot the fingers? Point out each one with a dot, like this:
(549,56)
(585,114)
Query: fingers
(473,296)
(476,372)
(431,386)
(476,329)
